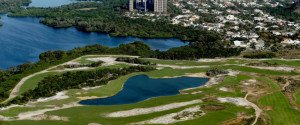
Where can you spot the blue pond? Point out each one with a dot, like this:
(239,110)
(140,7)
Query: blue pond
(23,39)
(141,87)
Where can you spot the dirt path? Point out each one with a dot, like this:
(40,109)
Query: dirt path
(15,92)
(286,85)
(258,111)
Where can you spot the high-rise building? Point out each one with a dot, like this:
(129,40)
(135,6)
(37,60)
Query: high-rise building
(160,6)
(131,5)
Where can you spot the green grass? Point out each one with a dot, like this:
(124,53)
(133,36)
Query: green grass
(285,62)
(33,82)
(297,97)
(86,116)
(282,112)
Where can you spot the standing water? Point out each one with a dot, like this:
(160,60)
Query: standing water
(23,39)
(141,87)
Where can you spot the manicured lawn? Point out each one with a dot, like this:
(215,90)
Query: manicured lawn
(297,97)
(33,82)
(283,62)
(281,112)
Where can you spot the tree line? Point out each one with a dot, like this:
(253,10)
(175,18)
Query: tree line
(50,85)
(9,78)
(134,61)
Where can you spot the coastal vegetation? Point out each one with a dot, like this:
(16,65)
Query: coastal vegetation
(108,17)
(12,5)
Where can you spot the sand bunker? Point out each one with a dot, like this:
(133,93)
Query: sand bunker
(142,111)
(184,115)
(38,114)
(58,96)
(278,68)
(49,117)
(237,101)
(211,60)
(181,67)
(91,88)
(107,60)
(224,89)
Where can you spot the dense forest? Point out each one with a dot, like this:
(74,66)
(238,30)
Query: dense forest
(12,5)
(50,85)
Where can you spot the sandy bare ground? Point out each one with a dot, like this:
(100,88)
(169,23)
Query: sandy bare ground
(212,80)
(184,115)
(32,115)
(40,114)
(58,96)
(202,75)
(258,111)
(11,106)
(94,124)
(224,89)
(286,85)
(91,88)
(212,60)
(277,68)
(142,111)
(107,60)
(181,67)
(87,97)
(243,102)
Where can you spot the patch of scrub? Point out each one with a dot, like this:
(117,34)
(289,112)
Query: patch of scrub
(184,115)
(141,87)
(142,111)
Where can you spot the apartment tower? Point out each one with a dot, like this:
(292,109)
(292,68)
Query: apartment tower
(160,6)
(157,6)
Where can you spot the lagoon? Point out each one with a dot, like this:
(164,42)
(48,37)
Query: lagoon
(141,87)
(23,39)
